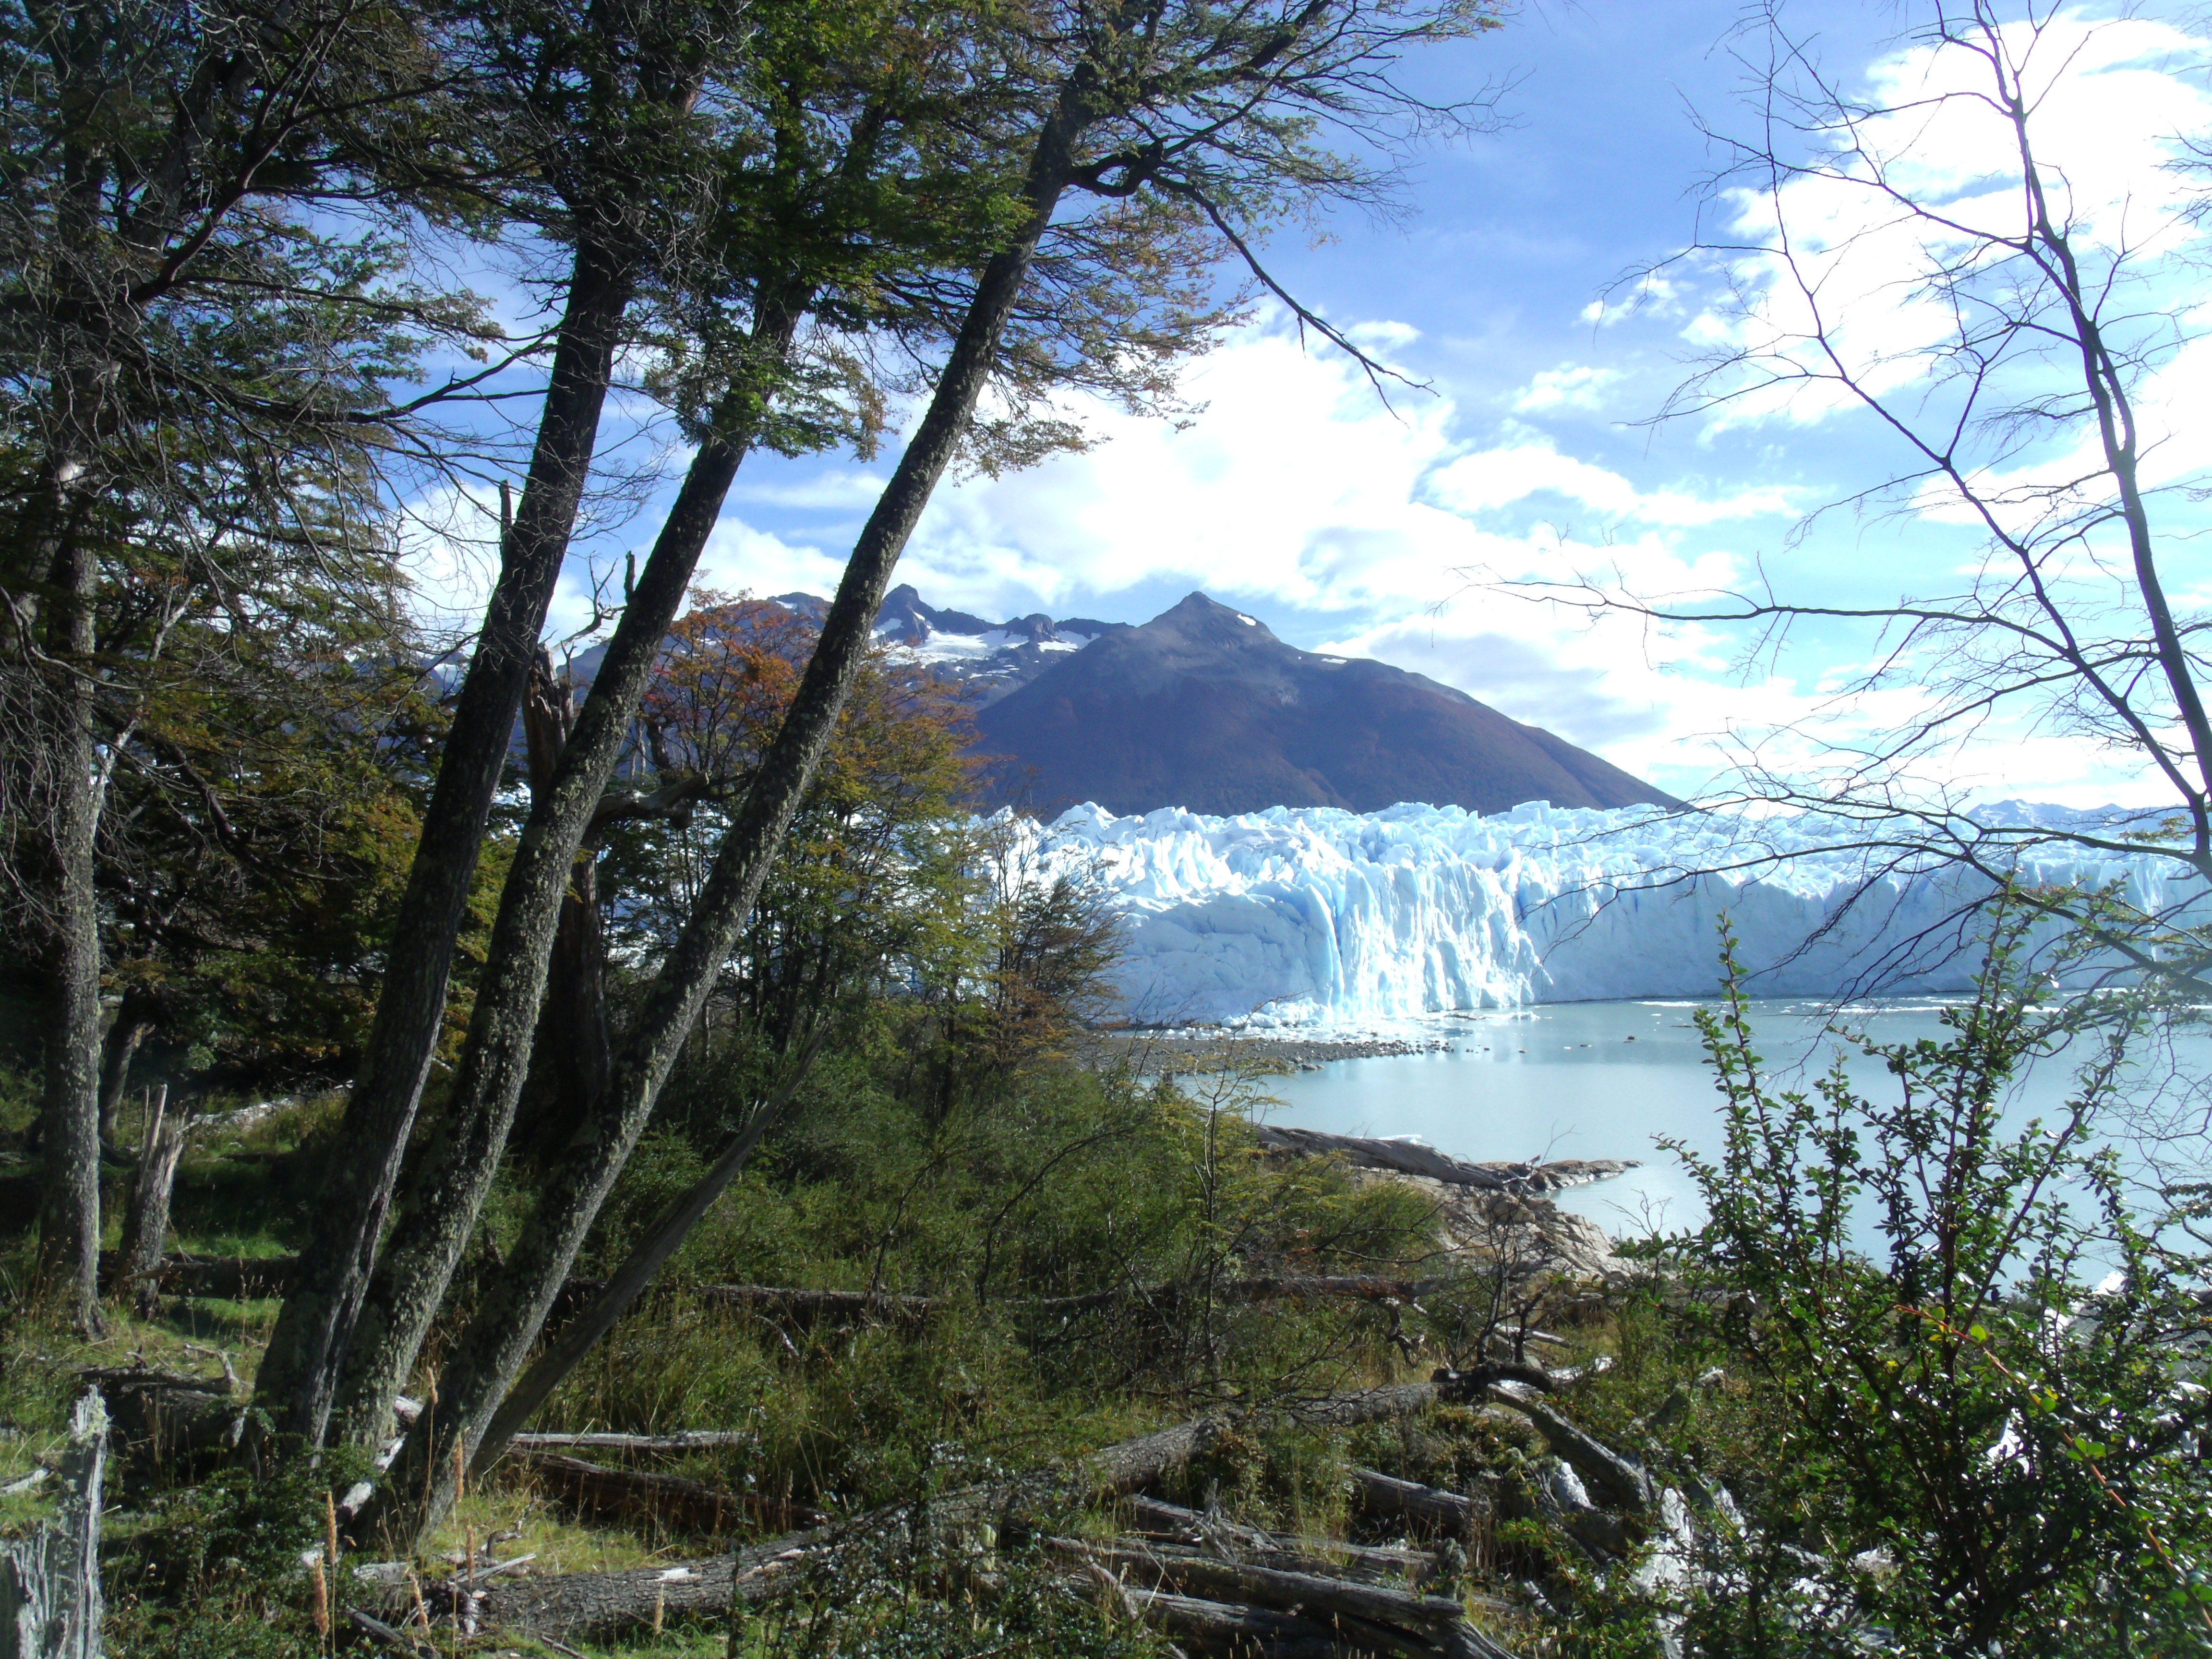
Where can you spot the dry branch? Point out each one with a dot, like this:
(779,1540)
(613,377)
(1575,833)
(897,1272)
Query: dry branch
(598,1605)
(683,1440)
(1191,1572)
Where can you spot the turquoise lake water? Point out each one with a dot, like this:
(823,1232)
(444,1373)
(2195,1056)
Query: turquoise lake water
(1607,1079)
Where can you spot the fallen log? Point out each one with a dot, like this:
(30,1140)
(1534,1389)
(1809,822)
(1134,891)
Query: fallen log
(1192,1572)
(1448,1511)
(1613,1477)
(671,1498)
(233,1279)
(1151,1518)
(1215,1627)
(596,1606)
(1413,1157)
(683,1440)
(243,1278)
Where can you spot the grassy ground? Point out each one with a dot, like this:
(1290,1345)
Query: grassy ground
(1075,1180)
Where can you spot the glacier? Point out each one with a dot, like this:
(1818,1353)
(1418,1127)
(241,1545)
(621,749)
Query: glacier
(1315,917)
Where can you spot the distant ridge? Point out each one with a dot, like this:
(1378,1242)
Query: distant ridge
(1204,708)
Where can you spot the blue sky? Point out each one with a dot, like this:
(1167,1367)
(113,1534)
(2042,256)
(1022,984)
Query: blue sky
(1298,497)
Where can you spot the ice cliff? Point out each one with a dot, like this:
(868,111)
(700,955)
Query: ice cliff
(1315,916)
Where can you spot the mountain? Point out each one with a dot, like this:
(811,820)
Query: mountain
(1203,707)
(993,658)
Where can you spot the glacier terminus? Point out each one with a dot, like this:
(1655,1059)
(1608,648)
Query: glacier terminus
(1316,917)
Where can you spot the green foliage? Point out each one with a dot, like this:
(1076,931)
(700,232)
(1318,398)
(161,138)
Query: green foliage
(1950,1444)
(215,1568)
(923,1597)
(1137,1197)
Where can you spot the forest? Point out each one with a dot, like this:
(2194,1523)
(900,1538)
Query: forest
(518,1145)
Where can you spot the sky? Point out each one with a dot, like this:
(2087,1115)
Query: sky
(1533,448)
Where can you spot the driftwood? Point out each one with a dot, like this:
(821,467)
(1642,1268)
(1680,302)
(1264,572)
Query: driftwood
(672,1498)
(589,1606)
(50,1603)
(1414,1159)
(1152,1519)
(1446,1511)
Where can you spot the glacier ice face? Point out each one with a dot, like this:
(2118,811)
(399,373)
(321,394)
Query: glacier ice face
(1315,916)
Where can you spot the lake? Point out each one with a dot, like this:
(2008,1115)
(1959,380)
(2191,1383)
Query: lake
(1606,1079)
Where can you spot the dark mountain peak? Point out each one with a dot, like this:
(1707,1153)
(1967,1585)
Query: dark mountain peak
(1203,621)
(1203,707)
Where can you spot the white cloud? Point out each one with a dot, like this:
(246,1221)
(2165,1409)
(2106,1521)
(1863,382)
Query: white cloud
(1868,277)
(1655,294)
(1489,480)
(449,555)
(1571,386)
(839,490)
(1295,484)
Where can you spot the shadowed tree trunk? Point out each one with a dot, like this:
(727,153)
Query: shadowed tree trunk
(574,1022)
(486,1358)
(69,1217)
(146,1226)
(299,1375)
(134,1024)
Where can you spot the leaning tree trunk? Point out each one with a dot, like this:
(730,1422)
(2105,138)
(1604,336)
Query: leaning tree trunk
(299,1374)
(450,1174)
(582,1332)
(488,1355)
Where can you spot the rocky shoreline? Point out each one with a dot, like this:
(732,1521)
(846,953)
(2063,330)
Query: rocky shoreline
(1166,1053)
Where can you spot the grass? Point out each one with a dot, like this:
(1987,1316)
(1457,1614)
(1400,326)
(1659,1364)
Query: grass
(1069,1181)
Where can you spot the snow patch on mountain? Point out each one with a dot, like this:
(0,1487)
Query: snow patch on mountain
(1302,917)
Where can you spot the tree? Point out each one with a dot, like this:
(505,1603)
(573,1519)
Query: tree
(1960,1445)
(1917,253)
(820,219)
(1212,109)
(877,858)
(204,317)
(604,146)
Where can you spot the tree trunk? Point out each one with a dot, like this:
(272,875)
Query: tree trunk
(299,1373)
(147,1225)
(69,1216)
(448,1179)
(49,1603)
(1446,1511)
(573,1026)
(628,1282)
(489,1353)
(134,1024)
